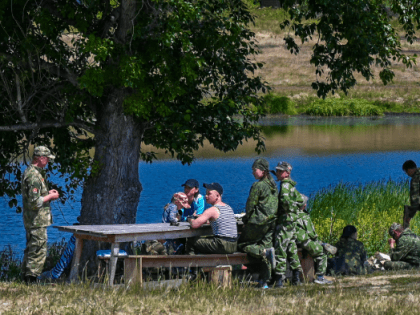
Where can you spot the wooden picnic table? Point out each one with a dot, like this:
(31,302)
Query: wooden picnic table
(119,233)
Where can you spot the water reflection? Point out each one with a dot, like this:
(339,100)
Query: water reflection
(324,136)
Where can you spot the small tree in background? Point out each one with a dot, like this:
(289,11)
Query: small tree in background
(352,37)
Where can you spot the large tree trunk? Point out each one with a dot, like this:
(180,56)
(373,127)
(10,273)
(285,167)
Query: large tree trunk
(111,195)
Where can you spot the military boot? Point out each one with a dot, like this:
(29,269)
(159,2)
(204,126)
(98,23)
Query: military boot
(278,281)
(193,274)
(296,277)
(262,284)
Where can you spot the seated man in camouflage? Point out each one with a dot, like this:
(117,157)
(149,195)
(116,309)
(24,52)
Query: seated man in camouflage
(307,239)
(351,255)
(405,248)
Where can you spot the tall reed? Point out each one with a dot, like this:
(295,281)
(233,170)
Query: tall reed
(372,208)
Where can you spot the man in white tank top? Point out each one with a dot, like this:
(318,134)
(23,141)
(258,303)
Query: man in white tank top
(223,223)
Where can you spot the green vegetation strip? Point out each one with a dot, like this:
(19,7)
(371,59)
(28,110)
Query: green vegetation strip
(372,208)
(281,104)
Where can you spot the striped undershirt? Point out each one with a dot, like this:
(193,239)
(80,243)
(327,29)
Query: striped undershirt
(225,225)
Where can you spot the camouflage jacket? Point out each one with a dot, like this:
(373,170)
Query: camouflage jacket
(290,202)
(304,222)
(415,189)
(261,206)
(407,248)
(352,254)
(36,213)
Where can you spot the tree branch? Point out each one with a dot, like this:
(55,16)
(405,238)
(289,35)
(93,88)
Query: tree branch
(53,69)
(49,124)
(51,7)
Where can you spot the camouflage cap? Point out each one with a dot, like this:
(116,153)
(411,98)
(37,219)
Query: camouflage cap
(284,166)
(394,226)
(43,151)
(261,164)
(181,198)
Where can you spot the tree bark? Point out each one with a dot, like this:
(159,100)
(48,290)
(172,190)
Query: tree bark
(111,195)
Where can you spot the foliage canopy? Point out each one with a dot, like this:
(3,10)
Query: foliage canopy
(352,37)
(176,72)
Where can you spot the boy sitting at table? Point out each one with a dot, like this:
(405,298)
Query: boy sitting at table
(172,214)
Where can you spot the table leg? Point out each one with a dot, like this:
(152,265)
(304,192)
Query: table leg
(115,249)
(74,271)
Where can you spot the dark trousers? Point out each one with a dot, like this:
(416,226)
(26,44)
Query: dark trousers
(253,240)
(209,245)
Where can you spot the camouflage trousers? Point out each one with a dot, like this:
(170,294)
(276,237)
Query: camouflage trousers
(209,245)
(254,240)
(153,248)
(35,251)
(307,239)
(398,265)
(294,235)
(286,249)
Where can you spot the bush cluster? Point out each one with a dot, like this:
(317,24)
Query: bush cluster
(276,104)
(343,107)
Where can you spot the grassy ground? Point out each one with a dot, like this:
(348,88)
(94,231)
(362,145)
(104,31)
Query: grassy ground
(291,75)
(381,293)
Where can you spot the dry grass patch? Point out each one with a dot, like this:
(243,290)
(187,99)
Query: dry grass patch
(375,294)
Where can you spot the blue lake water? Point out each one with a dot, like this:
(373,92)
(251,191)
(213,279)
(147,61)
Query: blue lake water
(313,169)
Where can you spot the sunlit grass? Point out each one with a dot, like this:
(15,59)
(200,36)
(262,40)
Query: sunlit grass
(383,293)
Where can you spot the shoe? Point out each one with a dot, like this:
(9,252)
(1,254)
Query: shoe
(278,282)
(322,280)
(329,248)
(270,255)
(45,276)
(262,284)
(193,275)
(296,277)
(30,279)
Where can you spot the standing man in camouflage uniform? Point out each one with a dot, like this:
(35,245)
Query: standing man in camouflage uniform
(405,248)
(410,168)
(294,227)
(290,202)
(36,213)
(259,222)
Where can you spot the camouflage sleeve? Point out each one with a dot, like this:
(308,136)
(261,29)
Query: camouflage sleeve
(402,249)
(35,200)
(285,199)
(290,198)
(415,190)
(251,202)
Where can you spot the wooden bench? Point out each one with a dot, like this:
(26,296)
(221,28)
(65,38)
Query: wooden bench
(134,264)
